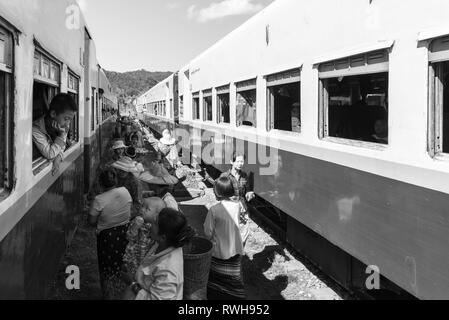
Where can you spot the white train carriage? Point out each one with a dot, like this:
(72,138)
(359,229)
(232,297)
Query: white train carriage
(45,49)
(352,99)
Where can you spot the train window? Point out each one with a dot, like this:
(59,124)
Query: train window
(45,87)
(196,106)
(73,91)
(181,107)
(6,110)
(354,98)
(246,103)
(284,101)
(97,109)
(439,96)
(223,113)
(171,107)
(207,105)
(92,110)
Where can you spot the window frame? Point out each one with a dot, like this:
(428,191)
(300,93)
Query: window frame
(222,90)
(181,107)
(338,71)
(41,163)
(245,86)
(436,99)
(76,91)
(287,77)
(207,94)
(7,118)
(196,116)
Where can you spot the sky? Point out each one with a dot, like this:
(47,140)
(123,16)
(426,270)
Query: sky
(161,35)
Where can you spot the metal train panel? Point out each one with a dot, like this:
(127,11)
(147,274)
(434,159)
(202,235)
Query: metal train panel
(31,252)
(398,227)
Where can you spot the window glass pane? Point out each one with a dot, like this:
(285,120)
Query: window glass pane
(73,135)
(181,107)
(223,108)
(285,106)
(207,105)
(2,50)
(246,108)
(45,67)
(196,108)
(445,82)
(358,107)
(37,64)
(3,106)
(53,72)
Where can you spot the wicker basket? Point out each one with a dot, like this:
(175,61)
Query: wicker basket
(197,259)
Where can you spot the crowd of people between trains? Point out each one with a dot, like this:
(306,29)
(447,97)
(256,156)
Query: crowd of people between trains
(139,251)
(145,252)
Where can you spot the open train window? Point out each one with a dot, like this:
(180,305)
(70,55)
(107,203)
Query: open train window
(196,106)
(207,105)
(97,109)
(354,98)
(284,101)
(439,96)
(6,111)
(47,72)
(223,111)
(73,91)
(246,103)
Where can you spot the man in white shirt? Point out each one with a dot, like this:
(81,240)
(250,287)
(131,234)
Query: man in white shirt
(50,132)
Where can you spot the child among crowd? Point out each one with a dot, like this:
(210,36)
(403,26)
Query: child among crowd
(161,273)
(223,227)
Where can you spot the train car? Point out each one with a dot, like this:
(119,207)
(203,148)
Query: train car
(160,105)
(348,101)
(45,49)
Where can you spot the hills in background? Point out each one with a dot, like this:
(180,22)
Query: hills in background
(130,85)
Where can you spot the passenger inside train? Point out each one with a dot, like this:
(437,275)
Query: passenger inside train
(355,104)
(50,131)
(380,132)
(286,107)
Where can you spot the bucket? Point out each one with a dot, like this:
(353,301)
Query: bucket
(197,259)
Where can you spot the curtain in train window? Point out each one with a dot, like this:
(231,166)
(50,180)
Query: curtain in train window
(439,91)
(207,105)
(246,103)
(354,98)
(284,101)
(6,112)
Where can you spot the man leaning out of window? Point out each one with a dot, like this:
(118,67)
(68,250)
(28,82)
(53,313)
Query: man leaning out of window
(50,131)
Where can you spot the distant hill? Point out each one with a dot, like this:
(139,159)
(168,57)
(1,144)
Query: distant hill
(133,83)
